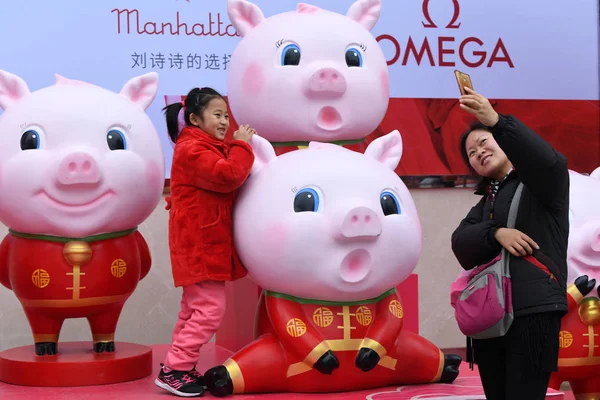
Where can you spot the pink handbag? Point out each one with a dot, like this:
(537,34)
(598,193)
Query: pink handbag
(482,297)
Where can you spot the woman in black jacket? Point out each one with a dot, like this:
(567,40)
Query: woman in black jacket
(504,152)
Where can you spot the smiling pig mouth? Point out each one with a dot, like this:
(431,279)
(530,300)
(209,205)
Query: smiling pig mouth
(329,119)
(72,204)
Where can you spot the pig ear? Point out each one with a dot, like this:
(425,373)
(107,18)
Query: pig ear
(60,79)
(244,15)
(386,149)
(264,153)
(12,89)
(365,12)
(596,174)
(141,89)
(307,8)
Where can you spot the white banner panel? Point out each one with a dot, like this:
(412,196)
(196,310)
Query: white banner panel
(513,49)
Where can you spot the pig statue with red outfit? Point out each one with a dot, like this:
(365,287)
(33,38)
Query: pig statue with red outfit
(308,74)
(329,233)
(80,168)
(579,355)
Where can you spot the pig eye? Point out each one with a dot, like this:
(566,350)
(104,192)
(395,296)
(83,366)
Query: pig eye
(116,140)
(306,200)
(290,55)
(30,140)
(353,58)
(389,203)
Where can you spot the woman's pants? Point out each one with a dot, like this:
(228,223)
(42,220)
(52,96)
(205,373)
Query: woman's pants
(518,365)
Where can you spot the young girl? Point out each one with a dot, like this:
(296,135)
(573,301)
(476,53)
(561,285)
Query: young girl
(205,175)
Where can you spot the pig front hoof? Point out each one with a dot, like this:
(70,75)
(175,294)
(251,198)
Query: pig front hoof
(585,285)
(218,382)
(46,348)
(327,363)
(451,363)
(102,347)
(367,359)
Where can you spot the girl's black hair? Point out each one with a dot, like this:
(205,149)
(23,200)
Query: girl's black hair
(196,102)
(475,126)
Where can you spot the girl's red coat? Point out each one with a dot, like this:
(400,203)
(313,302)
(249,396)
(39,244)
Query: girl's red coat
(205,177)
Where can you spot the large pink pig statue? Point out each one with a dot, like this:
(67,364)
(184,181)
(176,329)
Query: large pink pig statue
(329,233)
(579,355)
(584,221)
(308,74)
(80,168)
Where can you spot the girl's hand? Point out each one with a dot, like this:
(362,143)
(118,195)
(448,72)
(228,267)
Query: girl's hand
(515,241)
(244,133)
(479,106)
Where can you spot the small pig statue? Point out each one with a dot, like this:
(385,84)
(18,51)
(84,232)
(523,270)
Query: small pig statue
(579,354)
(80,168)
(308,74)
(329,233)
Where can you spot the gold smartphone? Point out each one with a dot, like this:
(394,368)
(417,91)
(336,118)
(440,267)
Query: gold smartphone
(463,80)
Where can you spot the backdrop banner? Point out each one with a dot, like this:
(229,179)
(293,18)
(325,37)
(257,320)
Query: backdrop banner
(536,59)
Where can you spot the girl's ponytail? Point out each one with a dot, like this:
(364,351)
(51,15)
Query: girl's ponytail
(172,112)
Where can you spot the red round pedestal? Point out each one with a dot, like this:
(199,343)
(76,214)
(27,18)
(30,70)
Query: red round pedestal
(75,365)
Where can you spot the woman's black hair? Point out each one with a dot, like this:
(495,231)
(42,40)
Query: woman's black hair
(195,102)
(475,126)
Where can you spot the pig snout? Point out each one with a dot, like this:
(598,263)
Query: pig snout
(78,168)
(326,81)
(361,222)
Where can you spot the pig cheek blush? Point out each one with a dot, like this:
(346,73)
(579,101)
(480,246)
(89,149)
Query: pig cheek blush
(254,80)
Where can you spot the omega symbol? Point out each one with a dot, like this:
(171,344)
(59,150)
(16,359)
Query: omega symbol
(451,25)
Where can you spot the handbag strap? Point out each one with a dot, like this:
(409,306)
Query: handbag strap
(512,218)
(514,207)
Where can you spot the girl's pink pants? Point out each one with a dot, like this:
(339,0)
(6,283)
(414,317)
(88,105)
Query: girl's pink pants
(202,310)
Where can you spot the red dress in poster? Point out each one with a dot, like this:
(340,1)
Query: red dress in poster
(431,131)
